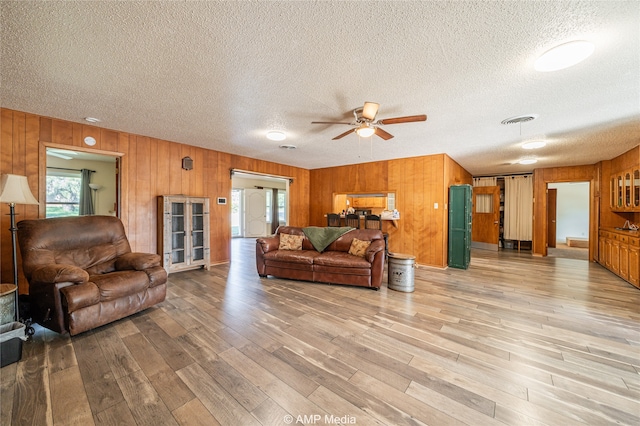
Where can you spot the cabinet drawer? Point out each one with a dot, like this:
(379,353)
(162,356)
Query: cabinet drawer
(604,234)
(634,241)
(623,238)
(614,237)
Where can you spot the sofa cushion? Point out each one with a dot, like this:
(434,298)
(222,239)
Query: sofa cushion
(120,283)
(290,242)
(341,260)
(359,247)
(291,256)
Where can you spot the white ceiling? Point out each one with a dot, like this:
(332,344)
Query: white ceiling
(221,74)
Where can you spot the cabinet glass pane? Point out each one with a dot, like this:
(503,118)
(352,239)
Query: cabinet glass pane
(198,223)
(197,239)
(177,223)
(198,254)
(613,192)
(177,240)
(619,191)
(197,208)
(636,188)
(627,190)
(177,256)
(177,208)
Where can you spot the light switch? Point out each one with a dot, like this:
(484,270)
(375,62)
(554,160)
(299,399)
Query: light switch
(435,206)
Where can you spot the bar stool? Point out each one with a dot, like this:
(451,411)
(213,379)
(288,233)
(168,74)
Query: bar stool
(352,220)
(373,221)
(333,219)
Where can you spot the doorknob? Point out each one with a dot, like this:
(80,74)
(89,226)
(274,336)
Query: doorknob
(495,222)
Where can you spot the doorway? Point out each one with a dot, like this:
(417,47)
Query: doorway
(571,215)
(259,203)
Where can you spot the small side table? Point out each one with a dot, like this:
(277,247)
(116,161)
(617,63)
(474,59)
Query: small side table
(7,303)
(400,272)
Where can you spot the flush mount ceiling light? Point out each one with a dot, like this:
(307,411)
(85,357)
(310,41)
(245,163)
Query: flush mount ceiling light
(92,119)
(528,161)
(365,130)
(534,144)
(276,135)
(564,56)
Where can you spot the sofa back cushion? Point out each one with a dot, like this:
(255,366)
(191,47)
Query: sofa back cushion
(341,244)
(89,242)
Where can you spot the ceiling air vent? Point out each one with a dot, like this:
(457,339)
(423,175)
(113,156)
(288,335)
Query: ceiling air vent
(519,119)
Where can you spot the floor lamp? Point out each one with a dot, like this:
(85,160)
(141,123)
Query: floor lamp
(15,190)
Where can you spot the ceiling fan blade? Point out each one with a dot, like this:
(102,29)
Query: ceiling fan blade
(370,110)
(329,122)
(344,134)
(383,134)
(407,119)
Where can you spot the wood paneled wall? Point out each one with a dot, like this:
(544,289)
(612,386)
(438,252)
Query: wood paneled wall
(600,214)
(150,167)
(419,183)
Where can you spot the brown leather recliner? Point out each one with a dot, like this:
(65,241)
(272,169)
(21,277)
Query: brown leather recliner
(82,273)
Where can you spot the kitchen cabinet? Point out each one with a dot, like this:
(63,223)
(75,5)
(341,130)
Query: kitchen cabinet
(369,202)
(619,252)
(183,232)
(625,190)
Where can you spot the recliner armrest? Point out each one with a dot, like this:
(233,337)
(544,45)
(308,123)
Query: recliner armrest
(137,261)
(59,273)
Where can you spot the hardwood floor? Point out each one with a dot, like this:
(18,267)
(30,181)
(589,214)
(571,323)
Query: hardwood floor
(514,340)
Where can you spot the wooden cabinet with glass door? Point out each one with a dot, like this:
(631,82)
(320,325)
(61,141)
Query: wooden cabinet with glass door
(625,191)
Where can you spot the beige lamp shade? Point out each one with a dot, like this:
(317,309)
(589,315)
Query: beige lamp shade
(15,190)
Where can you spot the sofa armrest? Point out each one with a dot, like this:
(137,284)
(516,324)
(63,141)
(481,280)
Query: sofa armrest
(375,247)
(59,273)
(137,261)
(269,243)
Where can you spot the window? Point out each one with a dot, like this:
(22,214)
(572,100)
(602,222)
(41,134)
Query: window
(63,193)
(282,202)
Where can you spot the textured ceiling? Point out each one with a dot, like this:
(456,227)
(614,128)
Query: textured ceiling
(221,74)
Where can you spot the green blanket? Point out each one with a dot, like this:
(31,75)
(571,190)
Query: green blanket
(321,237)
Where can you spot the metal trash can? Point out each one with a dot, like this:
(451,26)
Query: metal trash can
(400,272)
(7,303)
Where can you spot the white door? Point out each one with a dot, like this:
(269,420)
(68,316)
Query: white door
(255,219)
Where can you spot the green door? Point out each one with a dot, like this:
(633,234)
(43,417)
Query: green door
(460,226)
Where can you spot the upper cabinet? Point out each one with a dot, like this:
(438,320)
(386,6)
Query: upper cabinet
(625,190)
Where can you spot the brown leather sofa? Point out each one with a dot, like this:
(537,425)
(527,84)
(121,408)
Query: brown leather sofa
(333,265)
(82,273)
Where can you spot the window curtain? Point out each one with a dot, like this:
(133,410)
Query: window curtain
(518,208)
(274,210)
(484,204)
(86,203)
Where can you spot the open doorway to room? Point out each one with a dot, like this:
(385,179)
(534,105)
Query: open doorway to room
(568,220)
(259,204)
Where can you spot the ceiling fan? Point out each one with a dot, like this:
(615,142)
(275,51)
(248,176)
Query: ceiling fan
(365,123)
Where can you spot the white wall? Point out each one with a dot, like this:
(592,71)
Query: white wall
(572,213)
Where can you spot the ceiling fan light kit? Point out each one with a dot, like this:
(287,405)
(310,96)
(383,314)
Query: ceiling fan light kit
(275,135)
(365,124)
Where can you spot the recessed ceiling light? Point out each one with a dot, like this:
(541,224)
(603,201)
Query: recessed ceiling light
(276,136)
(92,119)
(564,56)
(534,144)
(528,161)
(288,146)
